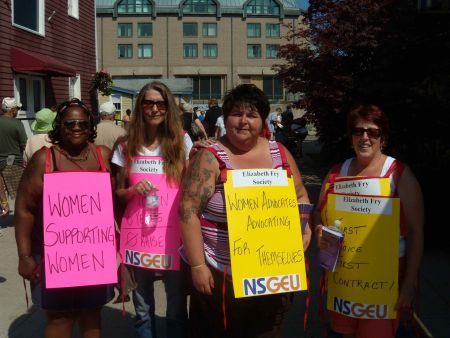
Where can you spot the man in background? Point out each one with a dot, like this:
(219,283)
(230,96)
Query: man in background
(12,144)
(107,130)
(211,116)
(287,117)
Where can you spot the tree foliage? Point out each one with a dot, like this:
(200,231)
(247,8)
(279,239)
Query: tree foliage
(383,52)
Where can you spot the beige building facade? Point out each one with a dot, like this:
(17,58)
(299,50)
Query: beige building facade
(217,44)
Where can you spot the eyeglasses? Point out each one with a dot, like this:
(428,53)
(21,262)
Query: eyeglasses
(82,124)
(161,105)
(371,132)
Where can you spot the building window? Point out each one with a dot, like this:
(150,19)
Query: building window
(272,88)
(190,29)
(210,50)
(125,51)
(207,87)
(72,8)
(253,30)
(145,51)
(272,30)
(254,51)
(75,87)
(134,7)
(199,7)
(209,29)
(145,29)
(190,50)
(272,51)
(29,14)
(124,30)
(262,7)
(30,91)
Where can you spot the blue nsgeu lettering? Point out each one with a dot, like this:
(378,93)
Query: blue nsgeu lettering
(271,284)
(147,260)
(358,310)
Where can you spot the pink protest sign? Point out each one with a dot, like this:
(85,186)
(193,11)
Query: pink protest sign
(79,233)
(154,247)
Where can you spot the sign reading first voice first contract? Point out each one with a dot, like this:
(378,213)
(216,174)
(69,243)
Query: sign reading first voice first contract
(265,237)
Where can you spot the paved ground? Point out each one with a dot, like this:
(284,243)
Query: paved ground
(16,322)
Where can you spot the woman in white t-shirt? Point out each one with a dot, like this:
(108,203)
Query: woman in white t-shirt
(155,130)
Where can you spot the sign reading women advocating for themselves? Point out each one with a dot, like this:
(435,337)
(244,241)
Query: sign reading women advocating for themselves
(79,233)
(155,246)
(264,229)
(365,283)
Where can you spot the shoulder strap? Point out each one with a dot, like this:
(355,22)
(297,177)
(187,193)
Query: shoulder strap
(392,168)
(284,161)
(48,159)
(334,172)
(100,161)
(223,167)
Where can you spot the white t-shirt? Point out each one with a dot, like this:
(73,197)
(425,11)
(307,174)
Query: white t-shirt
(119,160)
(221,125)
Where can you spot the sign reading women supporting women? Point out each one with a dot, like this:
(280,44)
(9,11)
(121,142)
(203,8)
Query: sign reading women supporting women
(365,283)
(79,232)
(155,246)
(264,229)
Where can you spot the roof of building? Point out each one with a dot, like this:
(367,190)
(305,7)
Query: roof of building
(179,86)
(171,6)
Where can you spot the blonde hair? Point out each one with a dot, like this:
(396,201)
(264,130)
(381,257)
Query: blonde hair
(170,133)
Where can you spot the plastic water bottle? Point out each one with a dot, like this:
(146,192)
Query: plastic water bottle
(336,225)
(151,210)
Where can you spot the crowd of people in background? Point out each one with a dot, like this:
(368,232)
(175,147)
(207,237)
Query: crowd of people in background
(198,148)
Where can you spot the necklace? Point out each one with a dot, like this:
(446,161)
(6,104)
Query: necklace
(81,157)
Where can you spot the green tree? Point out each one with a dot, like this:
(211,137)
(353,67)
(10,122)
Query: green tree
(383,52)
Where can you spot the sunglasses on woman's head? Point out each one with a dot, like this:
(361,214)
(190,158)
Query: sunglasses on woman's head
(161,105)
(82,124)
(371,132)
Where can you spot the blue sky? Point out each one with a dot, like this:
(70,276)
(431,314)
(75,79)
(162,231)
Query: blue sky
(302,4)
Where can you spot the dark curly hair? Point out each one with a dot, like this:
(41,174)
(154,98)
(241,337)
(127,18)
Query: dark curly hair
(246,94)
(55,134)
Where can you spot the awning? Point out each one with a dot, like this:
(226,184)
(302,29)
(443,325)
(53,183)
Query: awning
(26,61)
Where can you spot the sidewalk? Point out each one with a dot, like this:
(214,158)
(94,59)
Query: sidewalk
(434,302)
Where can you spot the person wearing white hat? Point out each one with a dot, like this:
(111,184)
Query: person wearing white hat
(10,105)
(12,144)
(107,130)
(42,124)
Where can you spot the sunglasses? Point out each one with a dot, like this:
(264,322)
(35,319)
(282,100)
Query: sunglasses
(161,105)
(82,124)
(371,132)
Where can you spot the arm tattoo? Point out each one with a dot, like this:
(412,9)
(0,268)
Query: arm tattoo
(198,186)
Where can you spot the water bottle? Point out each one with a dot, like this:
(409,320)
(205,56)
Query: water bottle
(151,210)
(336,225)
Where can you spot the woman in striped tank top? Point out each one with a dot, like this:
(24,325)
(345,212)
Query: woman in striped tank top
(214,311)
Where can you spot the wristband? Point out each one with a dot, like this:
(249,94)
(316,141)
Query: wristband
(198,266)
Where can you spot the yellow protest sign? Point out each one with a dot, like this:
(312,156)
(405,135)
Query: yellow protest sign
(365,283)
(264,231)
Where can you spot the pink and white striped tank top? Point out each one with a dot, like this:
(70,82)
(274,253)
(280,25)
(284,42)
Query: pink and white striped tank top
(214,218)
